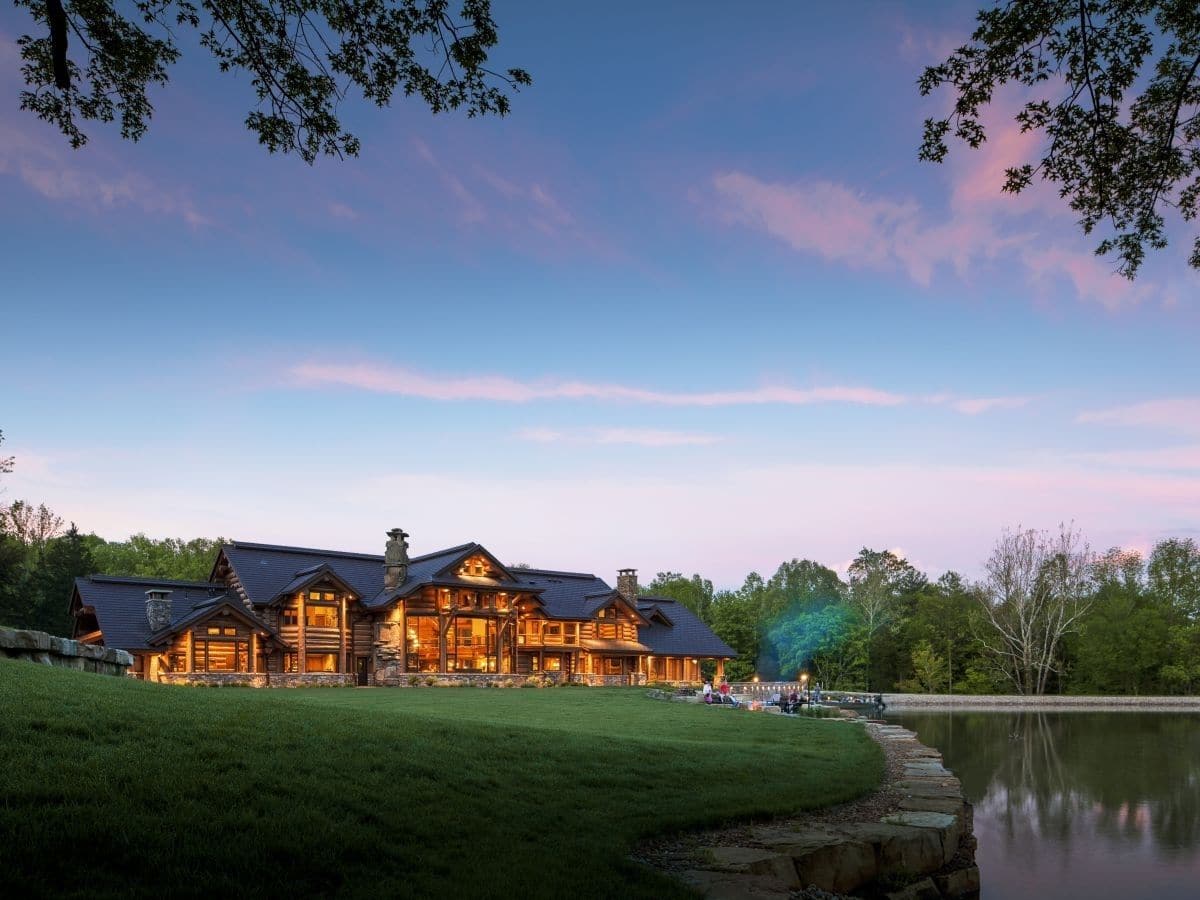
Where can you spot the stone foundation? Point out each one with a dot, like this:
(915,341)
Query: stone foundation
(395,678)
(47,650)
(260,679)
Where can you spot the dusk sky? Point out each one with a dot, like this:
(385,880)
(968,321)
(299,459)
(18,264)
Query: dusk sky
(694,305)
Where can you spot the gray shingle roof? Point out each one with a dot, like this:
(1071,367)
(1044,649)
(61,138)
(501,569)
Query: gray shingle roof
(120,604)
(688,637)
(266,569)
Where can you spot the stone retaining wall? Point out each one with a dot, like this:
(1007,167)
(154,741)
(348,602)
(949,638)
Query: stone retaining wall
(39,647)
(925,849)
(995,701)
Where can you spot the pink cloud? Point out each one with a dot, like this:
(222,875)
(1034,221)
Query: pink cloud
(973,406)
(498,388)
(1180,414)
(642,437)
(1158,458)
(387,379)
(822,217)
(861,231)
(1094,279)
(90,179)
(526,209)
(982,222)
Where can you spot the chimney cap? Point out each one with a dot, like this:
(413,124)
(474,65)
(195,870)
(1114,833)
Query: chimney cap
(626,571)
(157,593)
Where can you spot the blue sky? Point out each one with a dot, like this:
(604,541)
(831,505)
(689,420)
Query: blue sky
(694,305)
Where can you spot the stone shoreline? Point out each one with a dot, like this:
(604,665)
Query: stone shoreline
(1017,701)
(912,838)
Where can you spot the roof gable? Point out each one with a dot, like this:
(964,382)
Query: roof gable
(476,561)
(205,611)
(311,575)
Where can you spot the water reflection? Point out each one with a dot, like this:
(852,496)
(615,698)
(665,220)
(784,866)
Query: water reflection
(1072,804)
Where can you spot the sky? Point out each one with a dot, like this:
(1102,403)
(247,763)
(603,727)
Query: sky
(694,306)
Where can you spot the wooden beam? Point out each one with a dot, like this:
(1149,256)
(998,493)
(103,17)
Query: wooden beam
(191,652)
(253,660)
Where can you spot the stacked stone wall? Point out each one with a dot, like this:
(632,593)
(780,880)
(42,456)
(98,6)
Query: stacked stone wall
(259,679)
(48,650)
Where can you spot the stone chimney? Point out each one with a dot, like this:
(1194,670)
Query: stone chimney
(627,585)
(395,560)
(158,609)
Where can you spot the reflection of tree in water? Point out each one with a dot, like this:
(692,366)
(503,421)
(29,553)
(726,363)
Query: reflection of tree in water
(1129,778)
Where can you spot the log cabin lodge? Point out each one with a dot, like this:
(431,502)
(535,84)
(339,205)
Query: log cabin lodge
(287,616)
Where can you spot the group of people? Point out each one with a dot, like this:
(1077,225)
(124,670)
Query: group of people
(793,701)
(722,694)
(789,703)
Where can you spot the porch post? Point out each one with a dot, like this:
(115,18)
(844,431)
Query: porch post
(191,652)
(253,652)
(444,627)
(720,669)
(342,662)
(301,627)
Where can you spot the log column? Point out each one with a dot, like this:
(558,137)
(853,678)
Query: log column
(343,663)
(301,625)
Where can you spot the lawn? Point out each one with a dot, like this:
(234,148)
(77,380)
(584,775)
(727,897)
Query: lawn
(114,787)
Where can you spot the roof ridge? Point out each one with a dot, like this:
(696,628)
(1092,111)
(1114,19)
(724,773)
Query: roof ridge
(554,572)
(135,579)
(316,551)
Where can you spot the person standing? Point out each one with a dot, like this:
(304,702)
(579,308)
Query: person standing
(707,690)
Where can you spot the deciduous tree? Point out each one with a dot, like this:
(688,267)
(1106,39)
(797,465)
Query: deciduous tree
(1037,590)
(98,59)
(878,580)
(1112,86)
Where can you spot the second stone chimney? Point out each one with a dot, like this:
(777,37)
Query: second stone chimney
(395,560)
(627,585)
(158,609)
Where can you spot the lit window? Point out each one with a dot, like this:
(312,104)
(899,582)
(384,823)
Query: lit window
(320,662)
(321,616)
(289,617)
(314,595)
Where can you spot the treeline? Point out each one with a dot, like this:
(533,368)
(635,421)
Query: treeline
(40,559)
(1048,617)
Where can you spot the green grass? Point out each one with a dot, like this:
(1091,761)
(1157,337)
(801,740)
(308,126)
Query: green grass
(114,787)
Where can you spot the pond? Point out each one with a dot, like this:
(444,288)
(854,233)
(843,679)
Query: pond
(1076,804)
